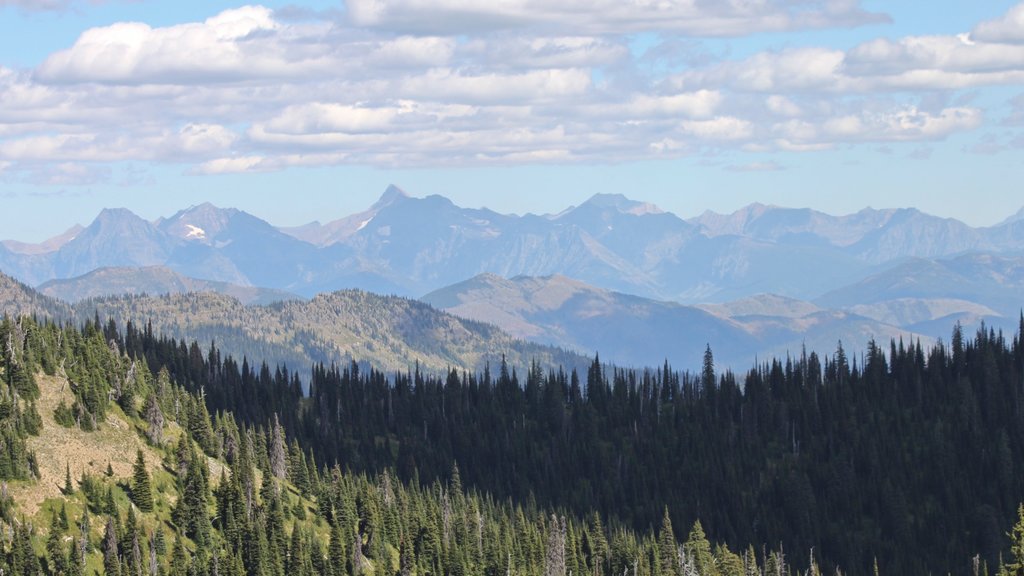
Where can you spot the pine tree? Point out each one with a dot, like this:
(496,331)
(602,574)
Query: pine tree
(54,547)
(111,562)
(142,492)
(68,487)
(278,455)
(75,564)
(1016,566)
(707,373)
(699,549)
(154,420)
(179,565)
(668,558)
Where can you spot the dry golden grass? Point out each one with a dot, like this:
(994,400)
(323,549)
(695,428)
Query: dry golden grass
(116,442)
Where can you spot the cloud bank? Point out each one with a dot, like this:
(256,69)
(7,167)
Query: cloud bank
(455,83)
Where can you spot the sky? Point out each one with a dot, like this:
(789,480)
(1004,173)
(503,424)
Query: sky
(307,111)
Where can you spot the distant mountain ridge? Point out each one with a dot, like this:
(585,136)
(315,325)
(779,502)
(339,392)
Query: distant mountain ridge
(152,280)
(388,332)
(636,331)
(411,246)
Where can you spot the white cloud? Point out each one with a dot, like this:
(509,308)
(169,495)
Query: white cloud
(720,128)
(1008,28)
(231,46)
(445,84)
(915,63)
(203,139)
(782,106)
(600,17)
(250,90)
(231,165)
(895,125)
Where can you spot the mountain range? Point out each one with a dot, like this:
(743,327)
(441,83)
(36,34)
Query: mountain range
(638,284)
(411,246)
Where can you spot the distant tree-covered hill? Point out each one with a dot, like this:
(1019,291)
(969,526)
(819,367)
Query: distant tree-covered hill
(388,332)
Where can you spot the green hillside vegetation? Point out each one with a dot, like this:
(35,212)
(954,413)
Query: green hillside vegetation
(858,458)
(184,492)
(863,460)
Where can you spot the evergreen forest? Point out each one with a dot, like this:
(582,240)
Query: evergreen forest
(904,460)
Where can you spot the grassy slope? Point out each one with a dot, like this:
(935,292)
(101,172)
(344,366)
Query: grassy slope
(115,443)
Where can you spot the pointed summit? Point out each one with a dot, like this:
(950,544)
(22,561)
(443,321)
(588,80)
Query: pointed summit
(391,195)
(200,223)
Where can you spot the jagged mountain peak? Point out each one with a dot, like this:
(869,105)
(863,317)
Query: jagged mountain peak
(391,195)
(202,222)
(108,215)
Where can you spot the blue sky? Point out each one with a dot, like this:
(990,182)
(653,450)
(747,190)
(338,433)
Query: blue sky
(308,110)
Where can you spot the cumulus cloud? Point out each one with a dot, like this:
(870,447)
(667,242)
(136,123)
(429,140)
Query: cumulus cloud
(233,45)
(399,84)
(720,128)
(1007,28)
(601,17)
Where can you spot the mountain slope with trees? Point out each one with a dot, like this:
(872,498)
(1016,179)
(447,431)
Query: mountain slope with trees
(213,495)
(861,459)
(388,332)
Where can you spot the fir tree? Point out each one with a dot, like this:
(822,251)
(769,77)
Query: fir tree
(111,561)
(668,557)
(154,419)
(68,487)
(54,547)
(1015,567)
(142,493)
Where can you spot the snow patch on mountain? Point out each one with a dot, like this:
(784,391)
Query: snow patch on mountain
(195,233)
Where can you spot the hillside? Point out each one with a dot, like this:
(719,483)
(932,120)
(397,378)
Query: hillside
(152,280)
(389,332)
(18,299)
(628,330)
(158,486)
(635,331)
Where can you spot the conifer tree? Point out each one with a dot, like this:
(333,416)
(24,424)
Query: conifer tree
(154,420)
(55,548)
(111,561)
(142,492)
(278,456)
(75,564)
(68,487)
(668,558)
(699,549)
(1015,567)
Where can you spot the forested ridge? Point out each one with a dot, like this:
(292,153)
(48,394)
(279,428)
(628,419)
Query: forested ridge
(908,458)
